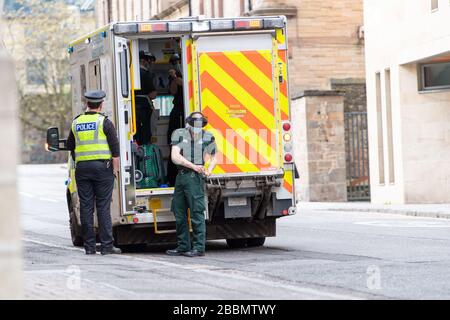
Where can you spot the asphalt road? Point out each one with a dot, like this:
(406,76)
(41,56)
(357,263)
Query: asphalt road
(316,255)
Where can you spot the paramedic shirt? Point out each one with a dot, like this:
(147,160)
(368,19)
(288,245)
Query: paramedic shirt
(194,150)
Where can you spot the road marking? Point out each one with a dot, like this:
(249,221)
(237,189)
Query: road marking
(32,196)
(404,224)
(96,283)
(212,270)
(29,195)
(49,200)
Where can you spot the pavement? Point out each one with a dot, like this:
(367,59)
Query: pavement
(415,210)
(317,254)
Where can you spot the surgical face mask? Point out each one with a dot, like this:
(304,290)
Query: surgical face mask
(196,130)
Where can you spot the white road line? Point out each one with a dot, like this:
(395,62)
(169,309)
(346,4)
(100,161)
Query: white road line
(233,274)
(32,196)
(96,283)
(49,200)
(29,195)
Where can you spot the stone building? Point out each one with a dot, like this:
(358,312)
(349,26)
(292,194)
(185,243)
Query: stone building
(327,79)
(408,91)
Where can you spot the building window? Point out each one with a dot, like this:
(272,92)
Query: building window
(434,5)
(390,139)
(435,76)
(379,129)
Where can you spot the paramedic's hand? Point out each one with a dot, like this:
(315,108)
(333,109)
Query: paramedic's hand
(207,173)
(198,169)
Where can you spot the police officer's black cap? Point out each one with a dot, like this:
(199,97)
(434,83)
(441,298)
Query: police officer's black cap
(95,95)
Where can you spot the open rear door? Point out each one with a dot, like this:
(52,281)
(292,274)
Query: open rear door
(237,94)
(124,123)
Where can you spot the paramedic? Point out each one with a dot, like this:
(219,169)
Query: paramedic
(94,146)
(192,147)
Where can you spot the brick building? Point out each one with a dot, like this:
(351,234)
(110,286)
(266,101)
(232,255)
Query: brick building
(327,78)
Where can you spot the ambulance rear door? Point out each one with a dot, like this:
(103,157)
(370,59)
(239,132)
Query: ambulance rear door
(236,87)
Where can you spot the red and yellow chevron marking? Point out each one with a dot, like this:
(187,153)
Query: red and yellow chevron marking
(238,98)
(189,74)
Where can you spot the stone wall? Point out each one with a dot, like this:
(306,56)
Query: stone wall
(320,151)
(354,90)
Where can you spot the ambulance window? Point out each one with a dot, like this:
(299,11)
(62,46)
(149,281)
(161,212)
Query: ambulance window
(95,81)
(82,79)
(124,73)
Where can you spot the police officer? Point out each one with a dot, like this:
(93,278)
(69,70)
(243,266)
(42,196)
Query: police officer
(192,147)
(94,146)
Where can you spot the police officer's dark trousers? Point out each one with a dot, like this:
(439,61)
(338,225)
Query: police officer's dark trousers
(95,183)
(189,193)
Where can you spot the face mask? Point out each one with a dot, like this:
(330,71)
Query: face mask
(196,129)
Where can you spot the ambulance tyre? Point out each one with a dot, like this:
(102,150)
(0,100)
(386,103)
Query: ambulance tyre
(256,242)
(236,243)
(75,229)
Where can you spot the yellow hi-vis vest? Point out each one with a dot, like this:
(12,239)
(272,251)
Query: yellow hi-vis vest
(90,139)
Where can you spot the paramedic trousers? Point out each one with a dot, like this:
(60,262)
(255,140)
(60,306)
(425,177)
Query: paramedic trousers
(95,183)
(189,193)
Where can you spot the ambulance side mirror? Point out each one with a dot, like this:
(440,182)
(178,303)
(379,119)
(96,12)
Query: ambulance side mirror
(53,141)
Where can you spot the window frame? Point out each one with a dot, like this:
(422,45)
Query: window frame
(422,86)
(123,65)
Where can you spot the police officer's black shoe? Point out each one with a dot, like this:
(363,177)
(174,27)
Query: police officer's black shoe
(91,252)
(175,252)
(113,250)
(194,253)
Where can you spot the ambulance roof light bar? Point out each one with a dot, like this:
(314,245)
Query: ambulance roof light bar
(198,25)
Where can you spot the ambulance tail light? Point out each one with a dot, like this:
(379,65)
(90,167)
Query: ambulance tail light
(221,25)
(248,24)
(153,27)
(288,157)
(287,141)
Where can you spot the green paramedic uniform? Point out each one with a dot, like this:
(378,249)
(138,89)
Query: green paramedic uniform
(189,188)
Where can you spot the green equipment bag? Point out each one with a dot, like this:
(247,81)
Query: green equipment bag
(152,167)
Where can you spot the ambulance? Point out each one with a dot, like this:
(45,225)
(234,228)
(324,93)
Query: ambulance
(235,71)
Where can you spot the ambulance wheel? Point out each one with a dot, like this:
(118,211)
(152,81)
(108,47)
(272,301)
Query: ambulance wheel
(75,232)
(256,242)
(75,229)
(236,243)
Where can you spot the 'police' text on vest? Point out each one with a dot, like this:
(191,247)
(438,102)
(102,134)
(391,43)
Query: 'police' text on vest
(86,126)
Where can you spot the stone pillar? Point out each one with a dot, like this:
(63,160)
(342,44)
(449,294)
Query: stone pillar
(319,151)
(10,254)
